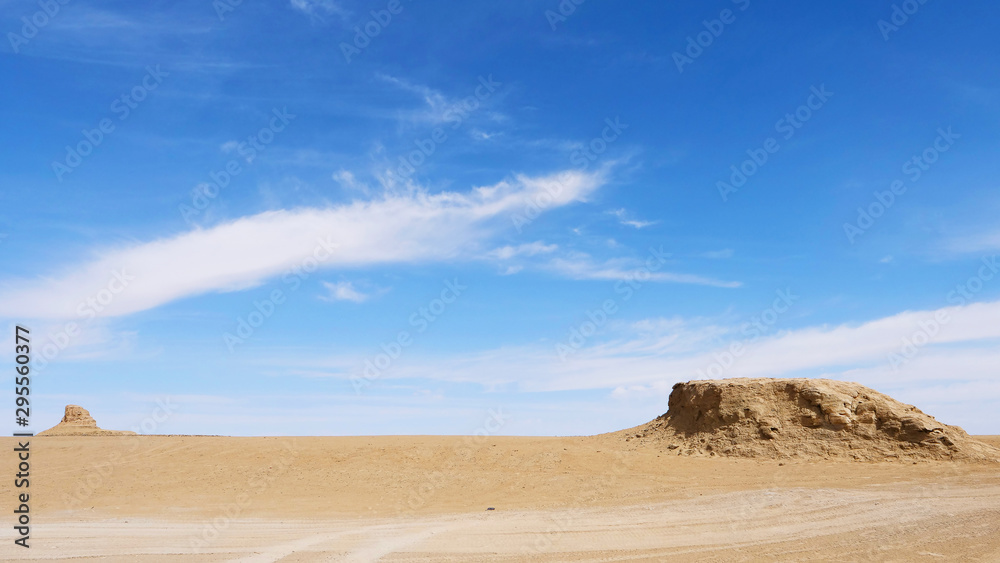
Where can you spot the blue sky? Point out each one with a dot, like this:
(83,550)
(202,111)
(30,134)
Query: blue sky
(336,217)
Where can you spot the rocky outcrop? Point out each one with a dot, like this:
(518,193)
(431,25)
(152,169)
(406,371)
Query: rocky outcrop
(788,418)
(78,422)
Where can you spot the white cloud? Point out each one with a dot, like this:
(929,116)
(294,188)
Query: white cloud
(438,105)
(580,266)
(985,242)
(348,181)
(396,228)
(638,224)
(441,108)
(317,8)
(621,214)
(646,358)
(56,341)
(665,351)
(584,268)
(953,377)
(344,291)
(529,249)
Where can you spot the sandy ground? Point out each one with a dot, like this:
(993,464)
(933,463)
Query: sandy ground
(398,498)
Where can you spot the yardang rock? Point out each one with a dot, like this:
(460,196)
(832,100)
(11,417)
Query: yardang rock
(808,418)
(78,422)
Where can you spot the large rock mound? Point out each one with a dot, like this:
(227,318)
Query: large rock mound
(78,422)
(786,418)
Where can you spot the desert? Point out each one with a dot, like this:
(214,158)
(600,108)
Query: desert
(509,281)
(611,497)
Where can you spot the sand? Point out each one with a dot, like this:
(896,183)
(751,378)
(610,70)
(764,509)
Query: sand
(398,498)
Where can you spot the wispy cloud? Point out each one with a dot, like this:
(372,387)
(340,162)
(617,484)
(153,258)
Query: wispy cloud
(347,180)
(317,9)
(972,244)
(93,341)
(410,227)
(482,135)
(529,249)
(344,291)
(84,34)
(439,108)
(660,352)
(623,219)
(91,25)
(583,267)
(954,373)
(638,224)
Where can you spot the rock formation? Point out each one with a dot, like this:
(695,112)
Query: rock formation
(78,422)
(811,418)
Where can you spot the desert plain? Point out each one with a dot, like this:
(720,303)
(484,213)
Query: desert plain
(601,498)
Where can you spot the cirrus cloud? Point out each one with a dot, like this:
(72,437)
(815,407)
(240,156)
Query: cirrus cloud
(411,227)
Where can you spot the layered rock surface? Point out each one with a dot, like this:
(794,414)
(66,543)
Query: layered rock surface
(788,418)
(78,422)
